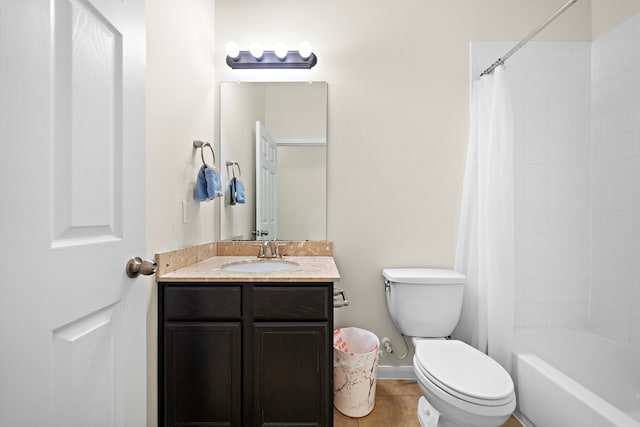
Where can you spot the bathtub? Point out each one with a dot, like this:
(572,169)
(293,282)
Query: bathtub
(575,378)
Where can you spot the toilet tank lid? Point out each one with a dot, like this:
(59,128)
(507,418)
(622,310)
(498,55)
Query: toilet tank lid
(425,276)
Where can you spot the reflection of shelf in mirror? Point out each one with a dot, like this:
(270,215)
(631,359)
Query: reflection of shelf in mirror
(301,141)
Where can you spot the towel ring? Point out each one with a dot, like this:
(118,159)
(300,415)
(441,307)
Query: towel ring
(233,165)
(201,145)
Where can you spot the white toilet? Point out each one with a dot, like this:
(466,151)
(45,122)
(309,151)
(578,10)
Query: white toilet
(461,385)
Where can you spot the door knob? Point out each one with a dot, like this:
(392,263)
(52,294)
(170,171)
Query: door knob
(137,266)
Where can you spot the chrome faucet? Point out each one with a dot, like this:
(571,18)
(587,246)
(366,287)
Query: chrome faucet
(266,250)
(270,249)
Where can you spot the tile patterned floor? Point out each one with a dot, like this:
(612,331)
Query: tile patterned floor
(396,406)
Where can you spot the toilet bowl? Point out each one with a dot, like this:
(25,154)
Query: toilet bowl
(461,386)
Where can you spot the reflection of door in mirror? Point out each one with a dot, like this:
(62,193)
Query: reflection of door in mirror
(295,114)
(266,184)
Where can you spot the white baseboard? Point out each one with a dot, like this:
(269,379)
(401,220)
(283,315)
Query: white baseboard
(403,372)
(523,420)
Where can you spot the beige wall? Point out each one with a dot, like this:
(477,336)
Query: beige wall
(302,192)
(296,111)
(398,110)
(180,86)
(606,14)
(181,90)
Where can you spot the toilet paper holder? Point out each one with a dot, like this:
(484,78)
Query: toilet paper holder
(339,299)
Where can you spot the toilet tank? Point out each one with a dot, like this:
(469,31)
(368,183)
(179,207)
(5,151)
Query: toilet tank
(424,302)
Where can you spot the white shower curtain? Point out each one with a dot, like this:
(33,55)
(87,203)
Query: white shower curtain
(485,248)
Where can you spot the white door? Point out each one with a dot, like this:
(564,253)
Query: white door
(72,325)
(266,184)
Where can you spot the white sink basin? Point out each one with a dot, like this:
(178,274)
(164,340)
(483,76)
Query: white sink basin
(260,266)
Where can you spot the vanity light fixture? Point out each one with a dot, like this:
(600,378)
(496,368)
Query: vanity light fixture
(232,49)
(256,50)
(281,50)
(305,49)
(280,57)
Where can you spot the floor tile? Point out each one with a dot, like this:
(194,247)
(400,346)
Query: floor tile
(397,388)
(340,420)
(396,406)
(512,422)
(392,411)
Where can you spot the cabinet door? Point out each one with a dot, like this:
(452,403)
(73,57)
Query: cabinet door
(202,374)
(292,371)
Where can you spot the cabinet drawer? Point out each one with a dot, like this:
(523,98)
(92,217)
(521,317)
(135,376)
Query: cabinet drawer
(202,302)
(291,302)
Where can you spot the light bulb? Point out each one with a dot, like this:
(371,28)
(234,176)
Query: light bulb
(305,49)
(256,50)
(232,49)
(281,50)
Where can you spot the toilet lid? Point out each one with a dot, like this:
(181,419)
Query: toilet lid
(464,372)
(423,276)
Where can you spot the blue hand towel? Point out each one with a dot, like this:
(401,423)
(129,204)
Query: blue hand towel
(200,191)
(239,191)
(214,186)
(230,197)
(208,185)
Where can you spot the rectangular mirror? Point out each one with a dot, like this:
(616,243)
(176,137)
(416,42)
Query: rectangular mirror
(291,200)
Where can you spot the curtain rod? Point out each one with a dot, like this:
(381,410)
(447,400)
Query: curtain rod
(531,35)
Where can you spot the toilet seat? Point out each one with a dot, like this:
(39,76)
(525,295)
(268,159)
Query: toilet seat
(445,402)
(464,372)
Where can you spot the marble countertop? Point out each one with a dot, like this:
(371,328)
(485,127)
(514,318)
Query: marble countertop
(309,269)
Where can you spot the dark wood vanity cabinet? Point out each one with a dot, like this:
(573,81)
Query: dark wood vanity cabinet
(245,354)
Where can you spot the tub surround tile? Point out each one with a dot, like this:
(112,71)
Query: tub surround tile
(635,330)
(615,183)
(552,167)
(204,263)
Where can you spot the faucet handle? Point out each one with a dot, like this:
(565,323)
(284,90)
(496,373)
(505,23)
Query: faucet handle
(261,249)
(278,246)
